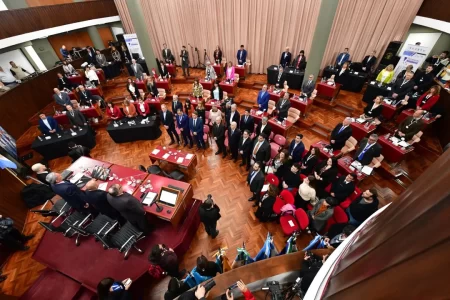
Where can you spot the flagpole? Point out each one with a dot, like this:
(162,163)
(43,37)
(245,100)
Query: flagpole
(14,174)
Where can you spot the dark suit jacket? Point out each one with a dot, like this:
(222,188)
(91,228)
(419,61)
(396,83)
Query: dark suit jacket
(64,83)
(346,58)
(182,122)
(341,189)
(296,153)
(342,79)
(257,183)
(42,177)
(91,56)
(281,80)
(73,195)
(152,89)
(423,81)
(245,147)
(128,206)
(244,56)
(263,100)
(184,58)
(412,129)
(373,151)
(263,154)
(374,113)
(52,122)
(65,99)
(370,63)
(164,72)
(77,119)
(249,125)
(168,121)
(218,131)
(99,200)
(308,88)
(236,118)
(198,126)
(84,97)
(233,139)
(308,163)
(167,56)
(285,60)
(302,64)
(283,111)
(400,89)
(341,137)
(175,108)
(267,130)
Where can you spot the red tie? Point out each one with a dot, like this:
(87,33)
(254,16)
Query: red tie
(298,63)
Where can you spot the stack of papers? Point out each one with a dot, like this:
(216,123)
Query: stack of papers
(180,160)
(367,170)
(103,186)
(403,144)
(149,198)
(165,156)
(259,113)
(360,120)
(155,151)
(76,177)
(189,156)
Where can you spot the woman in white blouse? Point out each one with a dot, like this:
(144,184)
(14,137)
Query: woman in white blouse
(330,80)
(91,75)
(306,193)
(132,89)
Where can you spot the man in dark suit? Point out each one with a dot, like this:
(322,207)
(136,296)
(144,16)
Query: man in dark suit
(234,135)
(218,132)
(101,59)
(196,127)
(138,71)
(255,180)
(98,199)
(342,58)
(64,83)
(167,54)
(164,72)
(285,58)
(75,117)
(91,56)
(245,147)
(85,96)
(342,75)
(185,61)
(129,207)
(41,172)
(279,83)
(438,61)
(232,116)
(368,149)
(340,134)
(343,187)
(410,126)
(61,98)
(176,104)
(48,125)
(282,107)
(423,80)
(166,118)
(263,99)
(296,149)
(261,149)
(73,195)
(241,55)
(182,121)
(263,127)
(300,61)
(402,87)
(247,122)
(77,151)
(368,62)
(308,86)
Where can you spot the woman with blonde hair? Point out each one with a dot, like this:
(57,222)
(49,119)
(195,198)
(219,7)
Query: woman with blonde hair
(402,74)
(128,109)
(386,75)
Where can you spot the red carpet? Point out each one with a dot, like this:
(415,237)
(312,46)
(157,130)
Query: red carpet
(88,263)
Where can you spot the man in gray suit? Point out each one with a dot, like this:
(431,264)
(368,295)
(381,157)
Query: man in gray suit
(75,117)
(61,98)
(129,207)
(137,69)
(185,61)
(101,59)
(308,86)
(167,54)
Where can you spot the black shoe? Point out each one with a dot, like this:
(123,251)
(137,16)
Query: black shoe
(251,199)
(182,273)
(241,164)
(224,155)
(204,147)
(235,160)
(217,153)
(190,146)
(248,168)
(185,145)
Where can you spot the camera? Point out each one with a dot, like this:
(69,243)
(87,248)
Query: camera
(209,285)
(274,288)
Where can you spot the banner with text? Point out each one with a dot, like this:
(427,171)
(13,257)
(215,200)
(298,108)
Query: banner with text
(412,55)
(133,44)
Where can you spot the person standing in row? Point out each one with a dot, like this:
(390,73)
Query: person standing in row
(183,126)
(166,117)
(196,127)
(218,132)
(209,215)
(255,180)
(185,61)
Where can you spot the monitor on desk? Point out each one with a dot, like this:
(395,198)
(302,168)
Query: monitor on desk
(168,196)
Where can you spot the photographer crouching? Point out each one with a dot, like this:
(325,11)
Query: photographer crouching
(209,215)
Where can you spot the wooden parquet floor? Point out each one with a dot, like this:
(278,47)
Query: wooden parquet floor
(222,178)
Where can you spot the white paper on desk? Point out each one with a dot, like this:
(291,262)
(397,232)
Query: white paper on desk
(275,68)
(387,101)
(389,88)
(155,151)
(115,125)
(189,156)
(103,186)
(372,82)
(47,137)
(149,198)
(153,100)
(180,160)
(259,113)
(291,223)
(356,73)
(64,112)
(240,66)
(265,188)
(165,156)
(356,164)
(360,120)
(74,133)
(291,71)
(76,177)
(367,170)
(395,140)
(403,144)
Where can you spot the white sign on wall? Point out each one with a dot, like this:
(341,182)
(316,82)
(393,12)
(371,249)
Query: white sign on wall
(133,44)
(412,55)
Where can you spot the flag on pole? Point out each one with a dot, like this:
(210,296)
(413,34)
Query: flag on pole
(6,163)
(268,250)
(316,243)
(291,245)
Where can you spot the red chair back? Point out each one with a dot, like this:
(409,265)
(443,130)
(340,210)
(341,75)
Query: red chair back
(302,218)
(328,188)
(280,140)
(274,150)
(272,179)
(355,194)
(302,177)
(271,135)
(339,215)
(279,203)
(205,129)
(287,197)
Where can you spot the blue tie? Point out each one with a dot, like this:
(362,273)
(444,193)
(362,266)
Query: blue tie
(361,155)
(342,128)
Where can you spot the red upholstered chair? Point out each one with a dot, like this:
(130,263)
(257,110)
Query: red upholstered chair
(287,197)
(205,133)
(302,177)
(206,122)
(278,205)
(288,224)
(302,219)
(305,152)
(274,149)
(272,179)
(346,203)
(328,188)
(271,136)
(280,140)
(339,217)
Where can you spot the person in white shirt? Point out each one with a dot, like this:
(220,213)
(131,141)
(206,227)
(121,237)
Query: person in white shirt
(306,193)
(7,78)
(91,75)
(18,72)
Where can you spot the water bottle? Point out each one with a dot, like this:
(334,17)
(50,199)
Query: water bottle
(367,125)
(284,122)
(71,130)
(39,138)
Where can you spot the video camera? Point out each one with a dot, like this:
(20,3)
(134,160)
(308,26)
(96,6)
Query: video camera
(274,289)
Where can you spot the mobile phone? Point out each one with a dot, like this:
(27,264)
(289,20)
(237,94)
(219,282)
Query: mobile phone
(127,282)
(233,286)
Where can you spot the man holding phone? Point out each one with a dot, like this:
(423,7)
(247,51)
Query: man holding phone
(243,288)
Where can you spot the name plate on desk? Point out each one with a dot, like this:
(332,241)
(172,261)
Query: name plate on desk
(48,137)
(74,133)
(166,156)
(189,156)
(356,73)
(180,160)
(156,151)
(389,88)
(372,82)
(291,71)
(115,125)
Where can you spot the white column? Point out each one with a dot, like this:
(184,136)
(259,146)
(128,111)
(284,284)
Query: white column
(35,57)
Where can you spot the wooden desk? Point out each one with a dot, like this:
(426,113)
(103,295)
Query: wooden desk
(389,111)
(90,112)
(359,131)
(77,79)
(218,69)
(241,71)
(328,91)
(392,153)
(140,84)
(344,168)
(302,106)
(274,96)
(174,155)
(171,214)
(278,128)
(163,84)
(230,88)
(321,145)
(172,69)
(207,85)
(86,163)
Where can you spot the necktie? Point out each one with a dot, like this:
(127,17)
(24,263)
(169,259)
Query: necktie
(309,82)
(232,131)
(253,176)
(361,155)
(342,128)
(195,121)
(256,148)
(298,62)
(246,117)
